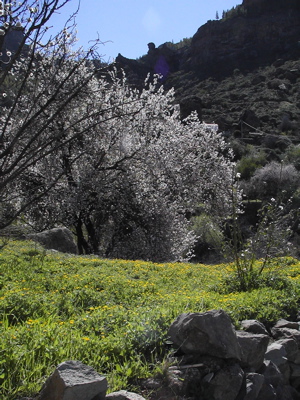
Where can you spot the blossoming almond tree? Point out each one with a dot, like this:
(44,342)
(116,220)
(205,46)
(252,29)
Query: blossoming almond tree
(80,147)
(39,79)
(129,181)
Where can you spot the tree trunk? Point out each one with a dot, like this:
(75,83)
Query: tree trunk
(82,245)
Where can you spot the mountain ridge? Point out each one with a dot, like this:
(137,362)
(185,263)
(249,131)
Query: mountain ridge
(242,72)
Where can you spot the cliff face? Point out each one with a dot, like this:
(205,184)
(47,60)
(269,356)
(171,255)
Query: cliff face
(259,33)
(253,35)
(256,7)
(242,72)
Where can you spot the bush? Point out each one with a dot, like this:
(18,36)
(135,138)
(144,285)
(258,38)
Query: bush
(292,156)
(274,180)
(269,241)
(210,238)
(254,280)
(249,163)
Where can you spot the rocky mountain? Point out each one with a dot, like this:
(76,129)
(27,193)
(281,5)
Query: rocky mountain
(242,71)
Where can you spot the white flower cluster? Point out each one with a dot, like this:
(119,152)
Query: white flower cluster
(83,147)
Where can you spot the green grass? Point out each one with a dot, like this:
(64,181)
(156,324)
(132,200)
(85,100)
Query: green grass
(110,314)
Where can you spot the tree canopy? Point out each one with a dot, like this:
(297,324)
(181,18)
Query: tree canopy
(81,147)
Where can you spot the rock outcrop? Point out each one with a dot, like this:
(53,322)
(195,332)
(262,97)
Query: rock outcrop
(60,239)
(264,368)
(244,69)
(255,33)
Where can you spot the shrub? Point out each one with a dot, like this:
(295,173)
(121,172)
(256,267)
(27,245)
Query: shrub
(292,156)
(250,162)
(269,242)
(273,180)
(210,238)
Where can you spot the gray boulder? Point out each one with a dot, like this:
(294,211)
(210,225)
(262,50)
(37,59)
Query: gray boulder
(283,323)
(286,392)
(184,382)
(73,380)
(271,373)
(254,383)
(124,395)
(291,348)
(209,333)
(276,353)
(297,358)
(254,326)
(295,370)
(267,392)
(253,348)
(60,239)
(225,384)
(287,333)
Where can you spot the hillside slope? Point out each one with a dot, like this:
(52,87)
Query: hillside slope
(244,69)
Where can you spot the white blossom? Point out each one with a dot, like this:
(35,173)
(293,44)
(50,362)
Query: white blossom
(86,149)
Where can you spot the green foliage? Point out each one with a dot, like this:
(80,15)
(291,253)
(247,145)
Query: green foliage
(252,278)
(239,148)
(234,12)
(207,231)
(209,235)
(269,242)
(274,180)
(56,307)
(292,156)
(185,42)
(249,163)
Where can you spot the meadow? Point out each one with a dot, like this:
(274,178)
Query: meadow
(113,314)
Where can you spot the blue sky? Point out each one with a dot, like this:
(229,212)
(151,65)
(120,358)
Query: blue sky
(127,26)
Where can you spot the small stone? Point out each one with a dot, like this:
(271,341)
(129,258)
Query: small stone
(124,395)
(283,323)
(254,326)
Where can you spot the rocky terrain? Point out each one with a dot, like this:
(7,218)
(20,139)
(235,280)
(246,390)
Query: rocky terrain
(244,69)
(213,361)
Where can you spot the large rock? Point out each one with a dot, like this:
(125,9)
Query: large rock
(209,333)
(291,347)
(73,380)
(185,382)
(267,392)
(253,348)
(271,373)
(295,370)
(276,353)
(286,392)
(286,333)
(225,384)
(60,239)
